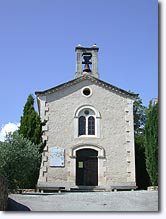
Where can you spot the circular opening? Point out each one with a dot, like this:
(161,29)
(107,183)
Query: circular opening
(86,112)
(86,91)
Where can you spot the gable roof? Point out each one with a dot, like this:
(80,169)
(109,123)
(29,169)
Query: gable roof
(89,77)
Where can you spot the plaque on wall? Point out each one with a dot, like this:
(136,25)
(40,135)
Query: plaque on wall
(57,157)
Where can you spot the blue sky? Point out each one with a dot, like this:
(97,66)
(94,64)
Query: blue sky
(38,39)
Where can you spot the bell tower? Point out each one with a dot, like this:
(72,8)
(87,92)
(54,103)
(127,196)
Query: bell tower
(86,61)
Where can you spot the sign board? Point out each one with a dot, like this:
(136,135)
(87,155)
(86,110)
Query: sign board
(57,158)
(80,164)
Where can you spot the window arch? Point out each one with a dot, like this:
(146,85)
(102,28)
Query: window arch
(87,122)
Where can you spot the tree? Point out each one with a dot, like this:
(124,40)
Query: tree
(30,124)
(139,111)
(151,142)
(139,116)
(19,161)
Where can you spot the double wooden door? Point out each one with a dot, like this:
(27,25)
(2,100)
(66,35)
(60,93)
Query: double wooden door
(86,167)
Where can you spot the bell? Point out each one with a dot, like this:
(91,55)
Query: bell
(87,57)
(86,68)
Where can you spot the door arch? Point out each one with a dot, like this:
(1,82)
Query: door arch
(86,167)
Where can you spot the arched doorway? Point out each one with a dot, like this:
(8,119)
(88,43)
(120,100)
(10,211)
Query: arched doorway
(87,167)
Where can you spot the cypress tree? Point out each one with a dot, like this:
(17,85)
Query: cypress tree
(151,143)
(30,124)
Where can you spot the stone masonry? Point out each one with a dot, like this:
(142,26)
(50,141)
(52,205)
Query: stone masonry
(117,163)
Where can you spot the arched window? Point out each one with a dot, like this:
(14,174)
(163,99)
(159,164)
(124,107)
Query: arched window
(91,125)
(87,122)
(82,125)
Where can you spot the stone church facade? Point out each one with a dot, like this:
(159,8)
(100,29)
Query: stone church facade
(88,132)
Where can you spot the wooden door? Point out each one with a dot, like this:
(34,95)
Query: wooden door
(87,168)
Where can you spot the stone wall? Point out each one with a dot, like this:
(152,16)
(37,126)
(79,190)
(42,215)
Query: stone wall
(3,193)
(115,135)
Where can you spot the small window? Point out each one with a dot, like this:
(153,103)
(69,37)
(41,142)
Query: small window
(86,91)
(86,112)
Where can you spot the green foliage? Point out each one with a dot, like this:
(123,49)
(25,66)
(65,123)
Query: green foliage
(139,111)
(139,117)
(19,161)
(151,143)
(30,124)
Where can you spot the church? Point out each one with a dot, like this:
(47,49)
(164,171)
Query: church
(88,131)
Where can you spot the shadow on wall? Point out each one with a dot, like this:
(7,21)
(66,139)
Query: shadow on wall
(16,206)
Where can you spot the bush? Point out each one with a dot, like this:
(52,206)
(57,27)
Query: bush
(151,143)
(19,161)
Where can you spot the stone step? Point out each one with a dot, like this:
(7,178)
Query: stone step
(87,189)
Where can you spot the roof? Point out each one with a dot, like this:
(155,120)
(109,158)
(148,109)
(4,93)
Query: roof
(89,77)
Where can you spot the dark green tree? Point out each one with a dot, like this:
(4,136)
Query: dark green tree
(151,142)
(19,161)
(30,124)
(139,116)
(139,111)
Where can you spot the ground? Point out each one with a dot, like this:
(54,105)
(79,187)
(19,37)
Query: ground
(85,201)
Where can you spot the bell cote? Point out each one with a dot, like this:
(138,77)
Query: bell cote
(86,61)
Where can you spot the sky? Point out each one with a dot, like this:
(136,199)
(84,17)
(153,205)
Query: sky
(38,40)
